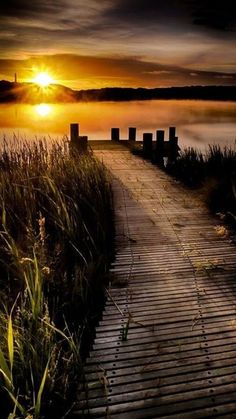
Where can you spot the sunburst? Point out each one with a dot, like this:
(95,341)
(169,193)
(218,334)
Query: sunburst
(43,79)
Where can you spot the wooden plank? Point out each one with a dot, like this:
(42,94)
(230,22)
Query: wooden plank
(168,384)
(144,356)
(159,366)
(163,334)
(177,345)
(172,332)
(172,376)
(154,406)
(168,394)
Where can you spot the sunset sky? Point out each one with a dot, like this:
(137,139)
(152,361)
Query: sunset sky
(92,44)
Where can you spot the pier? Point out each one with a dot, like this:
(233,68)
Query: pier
(166,344)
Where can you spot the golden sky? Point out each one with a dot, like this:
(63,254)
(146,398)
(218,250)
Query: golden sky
(132,43)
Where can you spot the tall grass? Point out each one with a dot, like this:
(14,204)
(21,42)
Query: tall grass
(55,247)
(213,171)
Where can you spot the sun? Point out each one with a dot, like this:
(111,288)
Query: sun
(43,79)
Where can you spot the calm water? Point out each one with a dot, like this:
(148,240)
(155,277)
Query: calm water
(198,122)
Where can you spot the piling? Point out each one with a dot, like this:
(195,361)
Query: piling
(74,133)
(173,150)
(159,152)
(132,134)
(77,142)
(83,143)
(172,133)
(147,144)
(115,134)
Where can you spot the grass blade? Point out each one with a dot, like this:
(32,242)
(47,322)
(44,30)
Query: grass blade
(7,379)
(4,369)
(10,342)
(40,392)
(16,403)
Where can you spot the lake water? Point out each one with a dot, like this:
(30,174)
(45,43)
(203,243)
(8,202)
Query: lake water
(198,122)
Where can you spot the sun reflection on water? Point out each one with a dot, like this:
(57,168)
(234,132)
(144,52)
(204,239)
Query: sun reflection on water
(43,109)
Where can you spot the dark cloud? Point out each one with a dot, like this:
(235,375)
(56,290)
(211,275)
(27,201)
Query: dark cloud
(58,23)
(211,14)
(215,14)
(30,8)
(141,10)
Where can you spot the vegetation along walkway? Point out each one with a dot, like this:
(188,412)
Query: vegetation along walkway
(166,345)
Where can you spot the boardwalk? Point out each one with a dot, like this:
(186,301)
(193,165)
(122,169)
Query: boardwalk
(166,345)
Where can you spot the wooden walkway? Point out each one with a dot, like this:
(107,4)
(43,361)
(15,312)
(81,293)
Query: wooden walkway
(166,345)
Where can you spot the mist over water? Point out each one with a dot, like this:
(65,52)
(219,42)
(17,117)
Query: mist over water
(198,123)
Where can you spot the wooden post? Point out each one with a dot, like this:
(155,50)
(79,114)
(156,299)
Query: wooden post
(172,131)
(160,136)
(74,132)
(147,144)
(77,142)
(132,134)
(115,134)
(173,145)
(83,143)
(173,150)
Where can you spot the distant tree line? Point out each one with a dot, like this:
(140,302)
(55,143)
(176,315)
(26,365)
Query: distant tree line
(31,93)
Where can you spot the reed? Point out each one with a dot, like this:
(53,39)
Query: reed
(214,172)
(55,248)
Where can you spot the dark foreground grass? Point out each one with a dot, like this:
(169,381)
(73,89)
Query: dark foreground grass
(214,172)
(55,246)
